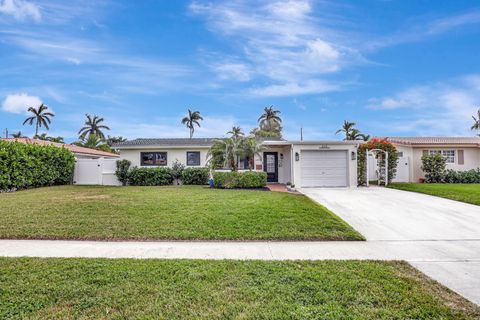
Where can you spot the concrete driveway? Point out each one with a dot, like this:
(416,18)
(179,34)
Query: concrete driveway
(410,220)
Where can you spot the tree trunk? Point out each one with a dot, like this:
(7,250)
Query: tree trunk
(36,130)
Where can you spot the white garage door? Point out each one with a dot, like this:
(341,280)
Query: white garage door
(324,168)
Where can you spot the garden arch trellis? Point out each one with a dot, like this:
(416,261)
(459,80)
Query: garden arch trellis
(382,169)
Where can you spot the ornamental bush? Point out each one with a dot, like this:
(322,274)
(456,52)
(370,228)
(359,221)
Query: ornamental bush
(434,167)
(32,165)
(469,176)
(243,180)
(150,177)
(382,144)
(122,172)
(195,176)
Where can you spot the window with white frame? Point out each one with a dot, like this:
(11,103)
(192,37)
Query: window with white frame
(448,154)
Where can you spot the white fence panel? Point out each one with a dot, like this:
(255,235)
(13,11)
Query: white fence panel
(403,170)
(95,172)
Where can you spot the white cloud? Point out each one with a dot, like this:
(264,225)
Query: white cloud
(20,9)
(293,88)
(20,102)
(436,109)
(281,41)
(233,71)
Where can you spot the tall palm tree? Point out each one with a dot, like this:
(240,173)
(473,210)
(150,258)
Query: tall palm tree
(41,117)
(270,119)
(93,126)
(191,120)
(476,124)
(347,129)
(236,132)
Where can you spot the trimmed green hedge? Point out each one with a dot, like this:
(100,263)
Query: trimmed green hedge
(32,165)
(195,176)
(150,177)
(469,176)
(247,179)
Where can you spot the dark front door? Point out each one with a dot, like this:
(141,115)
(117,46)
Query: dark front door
(270,166)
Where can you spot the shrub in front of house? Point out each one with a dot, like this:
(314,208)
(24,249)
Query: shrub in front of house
(242,180)
(469,176)
(25,166)
(150,177)
(195,176)
(123,171)
(433,166)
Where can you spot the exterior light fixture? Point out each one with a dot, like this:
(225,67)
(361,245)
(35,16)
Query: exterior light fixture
(297,156)
(354,155)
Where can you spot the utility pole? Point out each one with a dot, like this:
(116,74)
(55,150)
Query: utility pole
(6,133)
(301,134)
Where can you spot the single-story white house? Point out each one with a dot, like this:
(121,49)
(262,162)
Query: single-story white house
(462,153)
(303,163)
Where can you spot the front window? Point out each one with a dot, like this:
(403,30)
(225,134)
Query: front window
(193,158)
(448,154)
(153,158)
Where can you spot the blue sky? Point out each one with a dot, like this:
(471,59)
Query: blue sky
(394,67)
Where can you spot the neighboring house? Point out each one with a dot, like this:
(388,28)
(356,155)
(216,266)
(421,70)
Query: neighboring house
(303,163)
(462,153)
(91,166)
(79,152)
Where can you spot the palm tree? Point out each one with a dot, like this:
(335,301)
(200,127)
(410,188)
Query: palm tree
(92,141)
(93,126)
(347,128)
(44,137)
(357,135)
(18,135)
(476,124)
(236,132)
(40,116)
(252,148)
(192,119)
(270,120)
(226,153)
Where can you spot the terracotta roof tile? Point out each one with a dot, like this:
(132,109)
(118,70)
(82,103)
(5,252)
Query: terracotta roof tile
(475,141)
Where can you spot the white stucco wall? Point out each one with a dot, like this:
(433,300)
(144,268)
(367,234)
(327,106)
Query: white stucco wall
(284,165)
(471,160)
(180,154)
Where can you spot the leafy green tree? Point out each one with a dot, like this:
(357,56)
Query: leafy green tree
(434,167)
(41,117)
(476,124)
(93,126)
(193,118)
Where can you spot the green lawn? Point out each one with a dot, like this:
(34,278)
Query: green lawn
(94,212)
(469,193)
(36,288)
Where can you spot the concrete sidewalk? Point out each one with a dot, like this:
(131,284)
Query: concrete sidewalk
(461,258)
